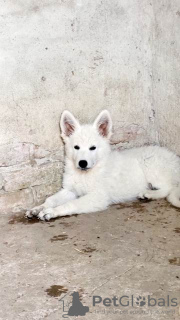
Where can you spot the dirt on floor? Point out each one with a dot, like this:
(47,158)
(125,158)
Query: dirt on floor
(123,262)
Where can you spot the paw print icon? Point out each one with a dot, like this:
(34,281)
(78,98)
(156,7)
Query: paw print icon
(141,301)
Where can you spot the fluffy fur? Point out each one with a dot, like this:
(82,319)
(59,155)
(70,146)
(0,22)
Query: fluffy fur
(105,176)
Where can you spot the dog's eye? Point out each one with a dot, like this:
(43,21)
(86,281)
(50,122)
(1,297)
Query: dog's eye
(92,148)
(76,147)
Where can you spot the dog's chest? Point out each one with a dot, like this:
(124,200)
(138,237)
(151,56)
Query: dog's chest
(81,183)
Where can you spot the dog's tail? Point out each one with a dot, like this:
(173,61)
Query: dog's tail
(174,197)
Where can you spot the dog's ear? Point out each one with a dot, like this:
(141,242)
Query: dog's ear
(103,124)
(68,123)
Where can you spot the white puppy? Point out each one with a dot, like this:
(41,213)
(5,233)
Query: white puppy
(95,176)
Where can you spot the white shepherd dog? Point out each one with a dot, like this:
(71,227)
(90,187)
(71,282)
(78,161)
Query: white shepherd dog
(96,177)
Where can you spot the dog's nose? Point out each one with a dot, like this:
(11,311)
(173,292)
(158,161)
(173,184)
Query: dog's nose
(83,164)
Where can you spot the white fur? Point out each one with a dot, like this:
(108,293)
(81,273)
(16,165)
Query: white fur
(111,176)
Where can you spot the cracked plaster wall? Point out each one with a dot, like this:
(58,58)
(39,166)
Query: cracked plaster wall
(83,56)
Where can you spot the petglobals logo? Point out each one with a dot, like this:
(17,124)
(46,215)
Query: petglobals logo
(131,301)
(72,306)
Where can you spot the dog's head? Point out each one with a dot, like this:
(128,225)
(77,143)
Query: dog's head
(86,145)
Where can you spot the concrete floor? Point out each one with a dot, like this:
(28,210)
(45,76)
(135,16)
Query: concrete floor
(131,249)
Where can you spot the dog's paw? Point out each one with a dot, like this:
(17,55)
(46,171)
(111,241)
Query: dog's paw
(46,214)
(33,212)
(146,196)
(142,196)
(28,214)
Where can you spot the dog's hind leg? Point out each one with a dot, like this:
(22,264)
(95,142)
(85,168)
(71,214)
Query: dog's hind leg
(174,197)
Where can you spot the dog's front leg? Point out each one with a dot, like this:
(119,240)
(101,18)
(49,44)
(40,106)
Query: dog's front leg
(86,204)
(55,200)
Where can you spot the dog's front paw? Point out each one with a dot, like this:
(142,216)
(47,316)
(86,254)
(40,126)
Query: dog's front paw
(29,214)
(33,212)
(47,214)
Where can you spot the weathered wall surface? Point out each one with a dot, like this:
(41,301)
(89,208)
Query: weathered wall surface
(82,55)
(166,71)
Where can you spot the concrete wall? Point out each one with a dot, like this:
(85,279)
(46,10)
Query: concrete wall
(82,55)
(166,72)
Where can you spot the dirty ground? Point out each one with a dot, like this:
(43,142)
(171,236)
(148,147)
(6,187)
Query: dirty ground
(131,249)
